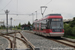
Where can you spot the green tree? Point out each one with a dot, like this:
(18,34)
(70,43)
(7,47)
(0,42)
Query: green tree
(73,31)
(74,19)
(2,27)
(67,29)
(72,23)
(29,23)
(19,26)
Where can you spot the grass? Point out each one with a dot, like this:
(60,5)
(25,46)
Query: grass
(72,37)
(2,29)
(15,29)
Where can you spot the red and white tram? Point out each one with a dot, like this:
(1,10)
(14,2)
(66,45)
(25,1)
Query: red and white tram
(51,25)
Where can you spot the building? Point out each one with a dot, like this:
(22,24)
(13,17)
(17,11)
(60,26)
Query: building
(1,23)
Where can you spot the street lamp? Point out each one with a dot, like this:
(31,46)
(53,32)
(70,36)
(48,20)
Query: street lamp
(42,12)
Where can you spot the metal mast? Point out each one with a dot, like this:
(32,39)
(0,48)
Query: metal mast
(6,12)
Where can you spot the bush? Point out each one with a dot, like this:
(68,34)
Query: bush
(72,23)
(73,31)
(67,29)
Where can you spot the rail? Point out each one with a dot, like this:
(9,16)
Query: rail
(13,43)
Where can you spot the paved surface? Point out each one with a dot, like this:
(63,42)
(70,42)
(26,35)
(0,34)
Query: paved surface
(44,44)
(3,43)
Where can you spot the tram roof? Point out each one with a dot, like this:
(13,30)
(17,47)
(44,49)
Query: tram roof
(53,15)
(50,16)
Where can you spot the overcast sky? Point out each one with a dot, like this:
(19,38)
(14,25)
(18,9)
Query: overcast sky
(65,7)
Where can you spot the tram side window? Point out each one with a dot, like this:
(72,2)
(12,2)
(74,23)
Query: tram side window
(43,24)
(37,26)
(48,25)
(34,26)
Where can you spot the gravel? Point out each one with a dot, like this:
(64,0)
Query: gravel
(3,43)
(43,43)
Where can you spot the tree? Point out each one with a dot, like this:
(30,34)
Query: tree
(72,23)
(2,27)
(19,26)
(74,19)
(29,23)
(67,29)
(73,31)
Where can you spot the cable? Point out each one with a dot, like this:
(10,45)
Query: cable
(6,5)
(17,6)
(48,2)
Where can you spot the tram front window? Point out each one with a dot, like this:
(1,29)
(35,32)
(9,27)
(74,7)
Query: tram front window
(56,25)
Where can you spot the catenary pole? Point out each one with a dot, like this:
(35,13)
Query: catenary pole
(36,15)
(6,12)
(11,23)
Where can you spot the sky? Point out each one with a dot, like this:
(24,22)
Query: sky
(26,7)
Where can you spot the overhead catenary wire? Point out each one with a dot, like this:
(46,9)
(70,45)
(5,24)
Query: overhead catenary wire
(17,7)
(45,4)
(45,8)
(48,2)
(5,6)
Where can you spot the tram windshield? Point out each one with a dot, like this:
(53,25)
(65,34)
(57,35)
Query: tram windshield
(57,25)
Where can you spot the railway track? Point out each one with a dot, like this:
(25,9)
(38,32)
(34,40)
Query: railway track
(65,42)
(60,40)
(9,40)
(13,42)
(29,44)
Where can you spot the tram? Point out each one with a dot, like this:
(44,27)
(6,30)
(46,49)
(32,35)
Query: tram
(51,25)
